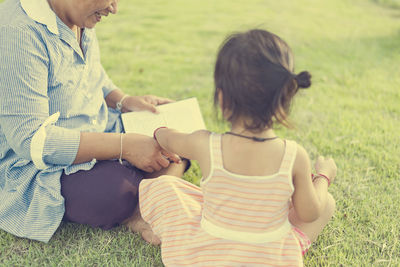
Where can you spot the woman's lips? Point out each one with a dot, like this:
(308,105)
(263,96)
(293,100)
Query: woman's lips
(98,16)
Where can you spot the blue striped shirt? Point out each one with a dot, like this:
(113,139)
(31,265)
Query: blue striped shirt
(50,91)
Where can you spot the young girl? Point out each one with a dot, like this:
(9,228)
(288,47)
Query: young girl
(258,204)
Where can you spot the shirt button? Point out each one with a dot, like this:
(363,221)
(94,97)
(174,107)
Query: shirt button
(94,121)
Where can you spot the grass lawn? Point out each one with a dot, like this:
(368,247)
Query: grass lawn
(352,113)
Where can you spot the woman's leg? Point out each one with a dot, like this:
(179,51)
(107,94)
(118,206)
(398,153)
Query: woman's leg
(313,229)
(102,197)
(138,225)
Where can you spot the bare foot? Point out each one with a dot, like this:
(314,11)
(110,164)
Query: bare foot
(137,224)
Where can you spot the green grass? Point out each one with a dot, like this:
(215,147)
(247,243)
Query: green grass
(352,113)
(389,3)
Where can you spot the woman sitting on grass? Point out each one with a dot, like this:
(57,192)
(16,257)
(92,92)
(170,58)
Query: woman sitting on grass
(60,128)
(257,204)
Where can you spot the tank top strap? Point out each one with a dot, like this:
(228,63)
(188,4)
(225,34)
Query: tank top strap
(215,150)
(289,156)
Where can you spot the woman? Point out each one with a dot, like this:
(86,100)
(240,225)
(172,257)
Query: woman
(60,126)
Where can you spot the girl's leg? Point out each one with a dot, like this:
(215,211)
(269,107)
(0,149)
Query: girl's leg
(136,223)
(313,229)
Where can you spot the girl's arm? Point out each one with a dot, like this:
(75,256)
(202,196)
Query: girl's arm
(309,198)
(191,146)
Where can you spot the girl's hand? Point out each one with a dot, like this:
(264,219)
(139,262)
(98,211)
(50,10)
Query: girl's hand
(326,166)
(145,153)
(146,102)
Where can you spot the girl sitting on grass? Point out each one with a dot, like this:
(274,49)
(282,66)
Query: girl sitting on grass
(257,204)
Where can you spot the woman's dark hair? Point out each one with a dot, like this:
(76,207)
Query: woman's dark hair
(254,71)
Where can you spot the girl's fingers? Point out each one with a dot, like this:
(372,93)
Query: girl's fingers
(173,157)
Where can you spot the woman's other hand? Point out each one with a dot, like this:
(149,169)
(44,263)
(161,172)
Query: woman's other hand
(126,103)
(145,153)
(146,102)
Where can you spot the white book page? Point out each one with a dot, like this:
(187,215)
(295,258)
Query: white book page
(142,122)
(184,116)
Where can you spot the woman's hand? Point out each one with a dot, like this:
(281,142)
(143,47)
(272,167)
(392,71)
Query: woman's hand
(145,153)
(146,102)
(326,166)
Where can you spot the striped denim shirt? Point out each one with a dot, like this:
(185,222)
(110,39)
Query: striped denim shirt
(50,91)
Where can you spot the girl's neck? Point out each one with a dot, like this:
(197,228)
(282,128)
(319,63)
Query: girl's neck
(240,129)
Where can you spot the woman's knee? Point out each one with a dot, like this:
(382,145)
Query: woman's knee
(100,198)
(119,202)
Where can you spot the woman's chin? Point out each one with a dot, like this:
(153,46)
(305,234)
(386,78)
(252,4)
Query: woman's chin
(91,22)
(90,25)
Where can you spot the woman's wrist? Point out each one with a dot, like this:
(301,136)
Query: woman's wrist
(117,98)
(120,104)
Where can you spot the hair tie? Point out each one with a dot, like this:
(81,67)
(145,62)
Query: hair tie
(303,79)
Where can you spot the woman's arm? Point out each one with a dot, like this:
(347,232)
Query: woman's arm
(24,103)
(309,198)
(141,151)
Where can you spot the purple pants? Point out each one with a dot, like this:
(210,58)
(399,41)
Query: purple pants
(102,197)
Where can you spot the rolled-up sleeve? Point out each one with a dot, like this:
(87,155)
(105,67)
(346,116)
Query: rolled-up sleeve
(24,102)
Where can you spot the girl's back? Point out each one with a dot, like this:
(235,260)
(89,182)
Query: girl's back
(235,219)
(244,203)
(246,157)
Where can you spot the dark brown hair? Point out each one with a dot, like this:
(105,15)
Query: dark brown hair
(254,71)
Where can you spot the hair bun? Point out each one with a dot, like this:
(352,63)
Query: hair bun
(303,79)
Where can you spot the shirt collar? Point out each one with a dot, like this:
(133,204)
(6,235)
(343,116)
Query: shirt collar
(40,11)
